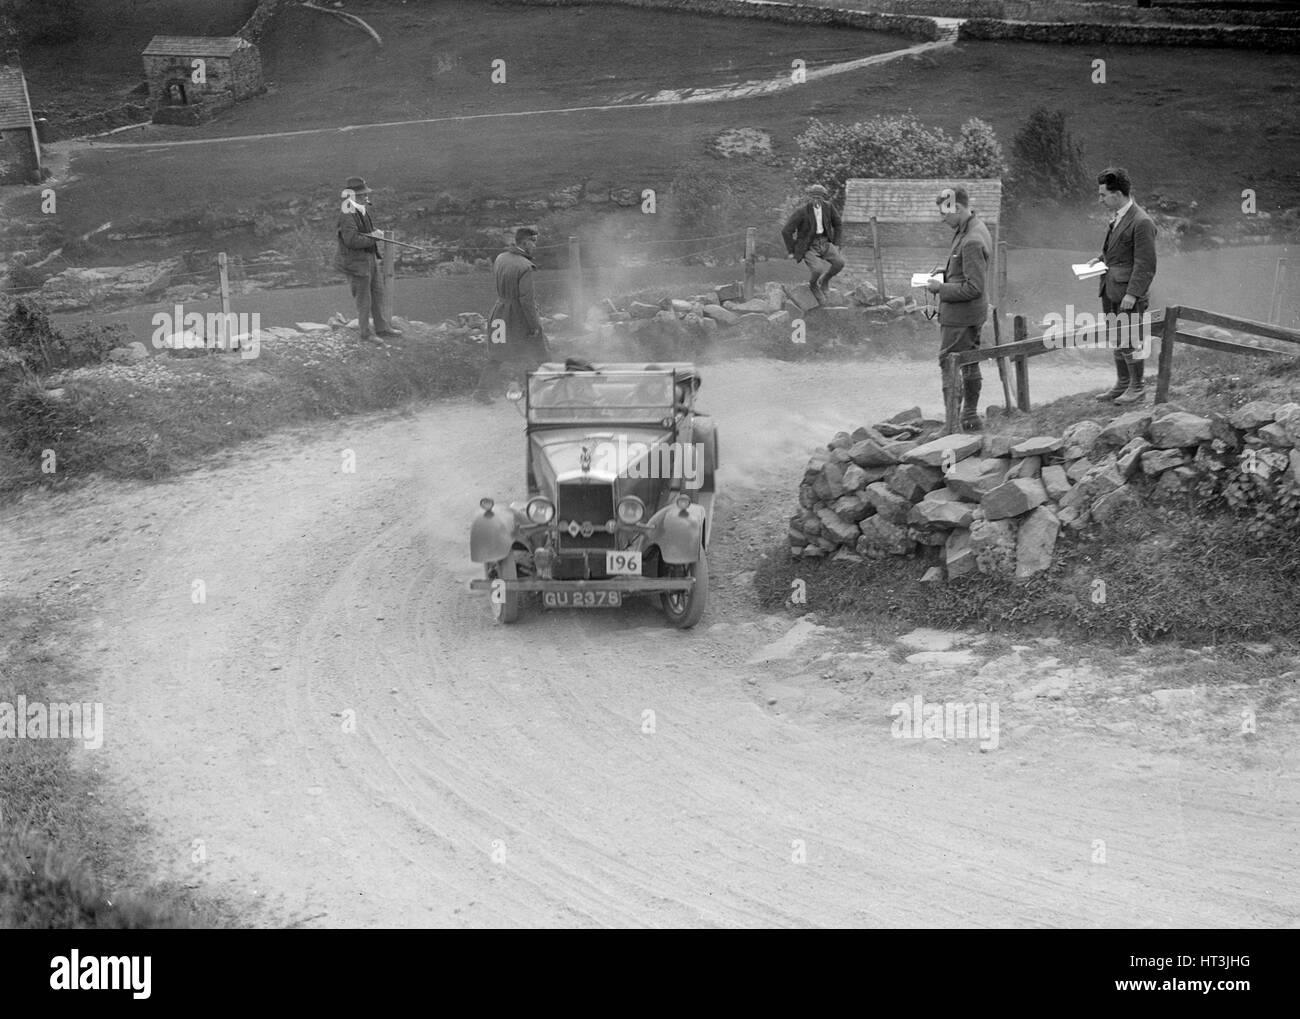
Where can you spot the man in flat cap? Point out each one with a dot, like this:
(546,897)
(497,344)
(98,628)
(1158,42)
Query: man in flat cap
(358,258)
(810,236)
(963,296)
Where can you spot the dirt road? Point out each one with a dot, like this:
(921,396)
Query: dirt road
(340,730)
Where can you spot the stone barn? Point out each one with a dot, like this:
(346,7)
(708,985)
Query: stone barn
(20,149)
(192,77)
(912,236)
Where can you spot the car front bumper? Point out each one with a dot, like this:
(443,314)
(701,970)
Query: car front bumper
(627,585)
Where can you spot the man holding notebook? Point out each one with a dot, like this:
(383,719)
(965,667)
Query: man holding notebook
(963,295)
(1129,253)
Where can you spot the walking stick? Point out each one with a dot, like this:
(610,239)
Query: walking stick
(400,244)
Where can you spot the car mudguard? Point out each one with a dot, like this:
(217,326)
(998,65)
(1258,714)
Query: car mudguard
(492,535)
(679,537)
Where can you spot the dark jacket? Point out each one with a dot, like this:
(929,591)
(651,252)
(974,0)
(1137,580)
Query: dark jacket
(516,306)
(1130,257)
(801,227)
(356,254)
(963,295)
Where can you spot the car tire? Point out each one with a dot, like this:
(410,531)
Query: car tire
(706,433)
(507,610)
(685,608)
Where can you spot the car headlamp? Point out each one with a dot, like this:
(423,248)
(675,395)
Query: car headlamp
(486,505)
(540,511)
(631,510)
(683,502)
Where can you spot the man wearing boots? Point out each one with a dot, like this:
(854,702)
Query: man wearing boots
(810,235)
(963,300)
(1129,252)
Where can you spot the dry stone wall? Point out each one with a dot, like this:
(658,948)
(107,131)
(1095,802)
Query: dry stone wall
(998,504)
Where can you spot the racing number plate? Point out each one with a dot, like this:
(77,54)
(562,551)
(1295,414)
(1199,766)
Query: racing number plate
(582,599)
(624,563)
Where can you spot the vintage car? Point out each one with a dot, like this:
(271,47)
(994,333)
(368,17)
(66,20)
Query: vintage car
(620,479)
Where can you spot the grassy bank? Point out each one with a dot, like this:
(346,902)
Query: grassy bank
(154,417)
(67,856)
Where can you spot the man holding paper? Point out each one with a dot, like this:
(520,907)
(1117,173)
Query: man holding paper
(1129,254)
(963,298)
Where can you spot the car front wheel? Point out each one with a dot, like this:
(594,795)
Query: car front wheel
(685,608)
(505,603)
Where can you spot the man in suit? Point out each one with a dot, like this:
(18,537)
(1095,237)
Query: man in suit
(810,236)
(358,258)
(963,295)
(514,326)
(1129,252)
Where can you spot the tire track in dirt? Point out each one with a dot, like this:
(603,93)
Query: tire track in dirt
(329,593)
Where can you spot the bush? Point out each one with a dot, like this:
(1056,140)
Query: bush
(894,146)
(26,329)
(1046,163)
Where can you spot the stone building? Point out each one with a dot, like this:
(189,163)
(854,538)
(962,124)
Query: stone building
(192,77)
(20,149)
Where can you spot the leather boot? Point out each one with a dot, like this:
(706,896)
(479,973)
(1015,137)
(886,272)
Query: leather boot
(1121,381)
(1136,386)
(970,418)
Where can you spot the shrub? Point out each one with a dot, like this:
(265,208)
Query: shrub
(1046,163)
(894,146)
(26,329)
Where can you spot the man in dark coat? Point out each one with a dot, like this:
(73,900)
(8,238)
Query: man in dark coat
(357,257)
(1129,252)
(963,295)
(810,236)
(514,326)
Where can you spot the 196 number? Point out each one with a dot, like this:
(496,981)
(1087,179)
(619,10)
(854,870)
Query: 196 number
(623,563)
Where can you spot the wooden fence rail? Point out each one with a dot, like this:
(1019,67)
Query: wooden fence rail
(1163,323)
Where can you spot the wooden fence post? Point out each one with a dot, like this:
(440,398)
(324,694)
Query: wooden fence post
(390,279)
(1002,270)
(1020,332)
(576,318)
(751,259)
(1276,305)
(952,392)
(1167,340)
(224,335)
(880,265)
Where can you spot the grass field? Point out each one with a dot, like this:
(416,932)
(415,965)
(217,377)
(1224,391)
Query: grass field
(1192,122)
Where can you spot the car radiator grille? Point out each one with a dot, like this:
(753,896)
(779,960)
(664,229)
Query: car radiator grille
(592,504)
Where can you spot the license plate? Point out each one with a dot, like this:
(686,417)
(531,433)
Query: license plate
(623,563)
(582,599)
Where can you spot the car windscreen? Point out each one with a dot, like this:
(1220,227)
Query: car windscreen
(601,396)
